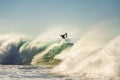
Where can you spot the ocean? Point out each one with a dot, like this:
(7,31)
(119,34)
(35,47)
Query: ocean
(91,57)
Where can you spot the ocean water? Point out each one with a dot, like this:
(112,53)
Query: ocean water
(21,72)
(94,56)
(28,72)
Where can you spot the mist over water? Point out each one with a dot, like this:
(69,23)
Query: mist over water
(92,60)
(94,55)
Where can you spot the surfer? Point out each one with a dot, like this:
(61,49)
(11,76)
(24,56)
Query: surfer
(64,36)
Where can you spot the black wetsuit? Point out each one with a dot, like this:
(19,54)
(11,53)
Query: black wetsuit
(64,36)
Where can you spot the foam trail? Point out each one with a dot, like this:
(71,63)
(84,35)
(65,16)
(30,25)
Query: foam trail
(92,57)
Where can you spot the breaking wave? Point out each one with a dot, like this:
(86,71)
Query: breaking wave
(17,49)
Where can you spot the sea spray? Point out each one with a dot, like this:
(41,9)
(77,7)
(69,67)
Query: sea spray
(88,57)
(111,58)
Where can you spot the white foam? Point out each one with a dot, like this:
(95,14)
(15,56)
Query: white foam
(92,56)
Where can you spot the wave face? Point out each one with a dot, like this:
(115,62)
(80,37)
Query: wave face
(16,49)
(50,53)
(92,56)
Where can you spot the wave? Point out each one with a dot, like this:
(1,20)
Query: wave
(95,54)
(16,49)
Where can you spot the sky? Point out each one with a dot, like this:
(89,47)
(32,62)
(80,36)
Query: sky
(35,16)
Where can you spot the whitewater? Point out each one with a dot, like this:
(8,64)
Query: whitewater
(94,56)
